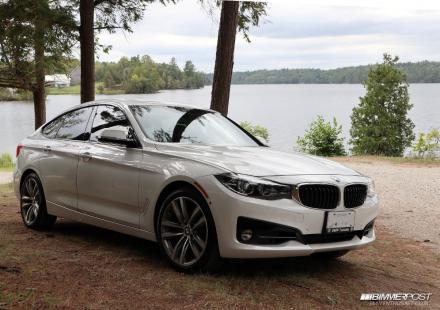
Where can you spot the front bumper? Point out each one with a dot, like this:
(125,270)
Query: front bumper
(227,206)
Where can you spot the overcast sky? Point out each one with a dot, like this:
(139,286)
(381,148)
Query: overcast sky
(295,34)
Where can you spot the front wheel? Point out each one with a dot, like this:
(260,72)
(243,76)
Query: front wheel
(186,232)
(33,204)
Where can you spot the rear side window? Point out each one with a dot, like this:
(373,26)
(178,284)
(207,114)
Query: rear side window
(51,129)
(108,118)
(73,125)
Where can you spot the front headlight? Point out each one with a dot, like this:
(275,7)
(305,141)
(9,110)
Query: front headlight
(371,190)
(255,187)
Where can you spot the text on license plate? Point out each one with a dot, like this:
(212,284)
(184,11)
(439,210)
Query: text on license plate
(338,222)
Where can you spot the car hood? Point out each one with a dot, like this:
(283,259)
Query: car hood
(257,161)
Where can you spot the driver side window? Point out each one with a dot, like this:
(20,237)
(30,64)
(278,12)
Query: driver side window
(110,121)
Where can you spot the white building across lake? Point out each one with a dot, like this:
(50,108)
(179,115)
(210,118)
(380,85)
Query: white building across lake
(57,80)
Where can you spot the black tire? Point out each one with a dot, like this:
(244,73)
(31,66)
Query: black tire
(209,261)
(331,255)
(32,195)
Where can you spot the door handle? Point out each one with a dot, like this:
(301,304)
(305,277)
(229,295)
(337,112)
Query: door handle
(86,156)
(47,148)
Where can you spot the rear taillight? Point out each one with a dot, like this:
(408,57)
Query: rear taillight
(19,147)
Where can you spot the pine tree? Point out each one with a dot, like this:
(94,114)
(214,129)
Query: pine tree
(380,124)
(35,36)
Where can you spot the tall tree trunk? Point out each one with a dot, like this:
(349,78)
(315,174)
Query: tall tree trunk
(39,97)
(224,60)
(87,47)
(38,90)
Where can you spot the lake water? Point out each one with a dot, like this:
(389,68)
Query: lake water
(286,110)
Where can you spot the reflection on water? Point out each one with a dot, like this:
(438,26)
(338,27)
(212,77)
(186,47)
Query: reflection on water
(286,110)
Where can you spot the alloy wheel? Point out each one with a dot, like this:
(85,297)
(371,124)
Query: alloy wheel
(31,200)
(184,231)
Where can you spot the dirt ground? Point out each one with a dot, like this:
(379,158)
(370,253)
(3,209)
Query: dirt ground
(75,266)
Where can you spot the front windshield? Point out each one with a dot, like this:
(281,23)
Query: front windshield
(189,126)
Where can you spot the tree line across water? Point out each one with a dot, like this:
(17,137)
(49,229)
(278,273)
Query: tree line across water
(141,75)
(416,72)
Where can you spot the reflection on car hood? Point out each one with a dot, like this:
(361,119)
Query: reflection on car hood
(257,161)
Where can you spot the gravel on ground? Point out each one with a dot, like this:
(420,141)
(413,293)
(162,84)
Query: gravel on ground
(409,195)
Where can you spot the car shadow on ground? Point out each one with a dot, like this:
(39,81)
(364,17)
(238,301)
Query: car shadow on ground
(95,236)
(150,252)
(308,265)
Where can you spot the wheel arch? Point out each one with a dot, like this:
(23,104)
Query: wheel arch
(25,174)
(172,186)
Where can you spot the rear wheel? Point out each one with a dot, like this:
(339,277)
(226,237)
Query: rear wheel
(33,204)
(186,232)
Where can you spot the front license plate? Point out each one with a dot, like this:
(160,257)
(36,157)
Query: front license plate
(339,222)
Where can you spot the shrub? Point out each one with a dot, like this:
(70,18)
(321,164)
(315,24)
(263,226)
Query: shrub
(100,89)
(380,125)
(323,139)
(16,95)
(427,143)
(6,161)
(257,130)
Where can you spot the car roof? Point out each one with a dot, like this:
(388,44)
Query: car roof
(140,102)
(125,103)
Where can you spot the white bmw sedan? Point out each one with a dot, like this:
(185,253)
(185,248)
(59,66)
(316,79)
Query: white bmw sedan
(192,180)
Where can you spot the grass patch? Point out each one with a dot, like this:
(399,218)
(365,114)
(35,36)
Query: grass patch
(6,160)
(107,91)
(51,300)
(398,160)
(410,160)
(6,190)
(76,90)
(7,169)
(71,90)
(17,95)
(25,296)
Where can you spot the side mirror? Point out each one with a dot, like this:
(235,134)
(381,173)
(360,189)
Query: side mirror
(117,136)
(262,140)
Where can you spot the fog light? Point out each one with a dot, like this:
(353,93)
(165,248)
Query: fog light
(246,235)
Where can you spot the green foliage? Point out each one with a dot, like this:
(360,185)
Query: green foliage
(15,95)
(250,15)
(65,65)
(256,130)
(419,72)
(323,138)
(100,89)
(26,24)
(6,160)
(141,75)
(427,143)
(380,125)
